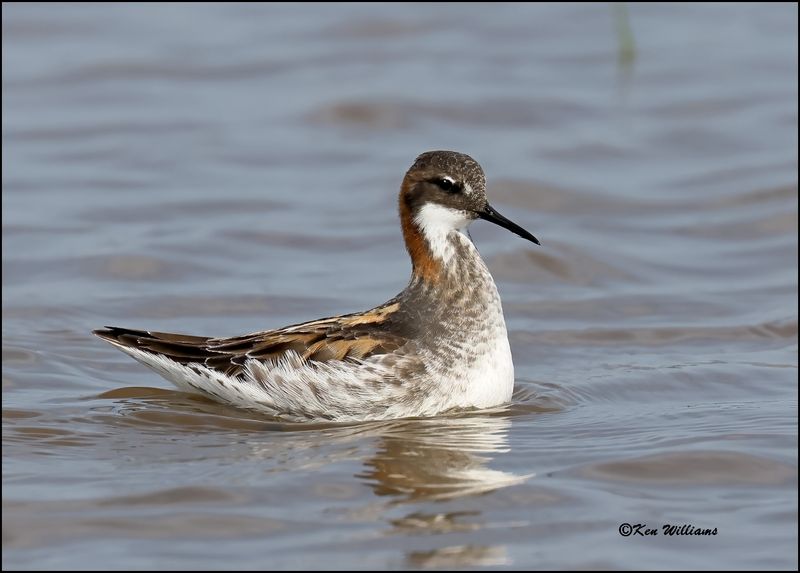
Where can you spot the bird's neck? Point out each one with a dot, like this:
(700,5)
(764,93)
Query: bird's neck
(442,257)
(426,260)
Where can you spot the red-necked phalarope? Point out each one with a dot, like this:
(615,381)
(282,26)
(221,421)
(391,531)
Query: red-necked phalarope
(440,344)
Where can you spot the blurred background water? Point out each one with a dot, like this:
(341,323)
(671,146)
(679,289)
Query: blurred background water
(223,168)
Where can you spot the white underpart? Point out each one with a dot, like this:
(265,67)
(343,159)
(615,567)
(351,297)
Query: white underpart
(436,222)
(346,391)
(488,379)
(482,376)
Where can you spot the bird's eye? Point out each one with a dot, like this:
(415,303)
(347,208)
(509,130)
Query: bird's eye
(447,185)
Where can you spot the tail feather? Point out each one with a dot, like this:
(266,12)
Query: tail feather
(181,348)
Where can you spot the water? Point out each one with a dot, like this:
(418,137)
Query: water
(219,169)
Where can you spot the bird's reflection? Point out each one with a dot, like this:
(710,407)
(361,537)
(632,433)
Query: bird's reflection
(442,459)
(439,458)
(414,459)
(421,465)
(458,556)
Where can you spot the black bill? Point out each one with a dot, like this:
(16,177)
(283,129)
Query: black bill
(489,214)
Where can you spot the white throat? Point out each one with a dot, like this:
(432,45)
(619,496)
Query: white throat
(436,222)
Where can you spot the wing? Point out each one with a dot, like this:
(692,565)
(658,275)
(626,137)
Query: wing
(341,338)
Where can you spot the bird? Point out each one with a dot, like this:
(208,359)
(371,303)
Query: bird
(439,346)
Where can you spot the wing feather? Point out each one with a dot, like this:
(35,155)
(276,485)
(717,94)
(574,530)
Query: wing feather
(340,338)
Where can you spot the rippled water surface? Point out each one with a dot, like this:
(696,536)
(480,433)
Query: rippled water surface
(220,169)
